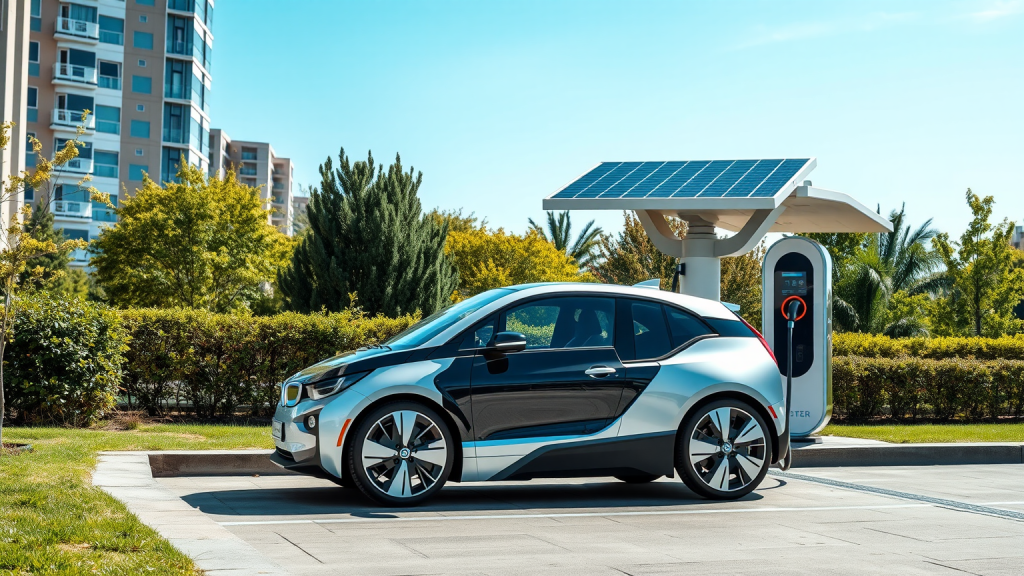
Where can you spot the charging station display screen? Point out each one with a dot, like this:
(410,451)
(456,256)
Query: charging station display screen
(793,284)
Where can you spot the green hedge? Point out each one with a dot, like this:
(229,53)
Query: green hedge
(63,362)
(940,348)
(907,388)
(212,364)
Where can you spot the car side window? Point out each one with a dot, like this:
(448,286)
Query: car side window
(567,322)
(684,326)
(480,335)
(650,335)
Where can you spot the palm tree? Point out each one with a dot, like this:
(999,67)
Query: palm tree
(897,261)
(559,232)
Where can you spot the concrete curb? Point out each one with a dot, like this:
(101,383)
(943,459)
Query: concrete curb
(816,455)
(251,462)
(214,463)
(216,550)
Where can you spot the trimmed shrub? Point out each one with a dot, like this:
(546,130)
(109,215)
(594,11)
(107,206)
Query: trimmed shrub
(63,364)
(878,346)
(211,364)
(906,387)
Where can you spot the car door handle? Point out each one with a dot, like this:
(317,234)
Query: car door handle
(599,371)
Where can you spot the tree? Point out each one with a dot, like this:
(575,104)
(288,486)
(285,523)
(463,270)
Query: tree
(559,232)
(897,262)
(983,285)
(367,236)
(197,243)
(632,257)
(741,283)
(489,259)
(18,248)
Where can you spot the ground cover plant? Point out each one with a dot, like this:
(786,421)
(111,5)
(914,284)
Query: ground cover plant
(55,522)
(916,433)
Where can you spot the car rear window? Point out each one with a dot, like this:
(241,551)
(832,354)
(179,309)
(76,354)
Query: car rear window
(684,326)
(650,334)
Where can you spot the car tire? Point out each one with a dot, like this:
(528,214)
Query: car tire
(638,478)
(723,465)
(401,453)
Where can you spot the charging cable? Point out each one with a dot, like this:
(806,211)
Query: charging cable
(790,308)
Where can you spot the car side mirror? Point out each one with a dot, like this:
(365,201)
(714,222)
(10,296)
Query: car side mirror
(509,342)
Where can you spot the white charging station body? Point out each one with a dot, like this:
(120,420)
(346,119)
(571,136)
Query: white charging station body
(798,267)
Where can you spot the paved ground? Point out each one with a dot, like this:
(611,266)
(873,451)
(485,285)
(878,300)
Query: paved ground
(882,520)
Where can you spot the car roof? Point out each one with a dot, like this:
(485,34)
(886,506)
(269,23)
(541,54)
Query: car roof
(701,306)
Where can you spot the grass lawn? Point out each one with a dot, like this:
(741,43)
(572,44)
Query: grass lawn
(911,433)
(53,521)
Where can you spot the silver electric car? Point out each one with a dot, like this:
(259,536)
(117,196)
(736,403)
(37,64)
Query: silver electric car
(543,381)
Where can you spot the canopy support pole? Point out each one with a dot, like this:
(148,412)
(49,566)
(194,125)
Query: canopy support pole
(701,249)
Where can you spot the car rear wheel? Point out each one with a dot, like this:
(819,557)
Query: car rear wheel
(401,454)
(724,451)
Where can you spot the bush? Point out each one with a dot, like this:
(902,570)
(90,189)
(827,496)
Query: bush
(63,364)
(211,364)
(877,346)
(907,388)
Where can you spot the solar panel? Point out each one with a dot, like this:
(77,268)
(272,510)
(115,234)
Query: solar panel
(685,179)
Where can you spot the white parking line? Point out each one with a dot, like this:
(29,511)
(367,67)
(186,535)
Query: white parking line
(574,515)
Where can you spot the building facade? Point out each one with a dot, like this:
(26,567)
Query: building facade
(256,164)
(1017,239)
(142,69)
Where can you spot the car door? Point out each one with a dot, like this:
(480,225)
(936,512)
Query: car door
(568,380)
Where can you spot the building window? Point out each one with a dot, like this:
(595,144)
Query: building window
(37,11)
(169,165)
(30,158)
(103,213)
(110,75)
(142,63)
(108,119)
(138,152)
(33,58)
(111,30)
(144,2)
(32,105)
(140,107)
(177,75)
(248,153)
(175,123)
(179,32)
(105,164)
(143,18)
(139,129)
(136,171)
(142,84)
(142,40)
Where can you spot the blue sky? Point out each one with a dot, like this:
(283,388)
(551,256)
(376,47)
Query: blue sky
(499,104)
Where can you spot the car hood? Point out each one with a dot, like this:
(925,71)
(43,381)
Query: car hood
(361,360)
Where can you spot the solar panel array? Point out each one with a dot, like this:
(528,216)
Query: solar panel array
(685,179)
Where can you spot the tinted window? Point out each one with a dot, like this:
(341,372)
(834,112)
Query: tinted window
(684,326)
(650,335)
(443,319)
(480,335)
(564,322)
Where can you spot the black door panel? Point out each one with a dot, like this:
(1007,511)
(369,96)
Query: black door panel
(536,388)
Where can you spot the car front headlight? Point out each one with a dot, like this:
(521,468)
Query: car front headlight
(332,386)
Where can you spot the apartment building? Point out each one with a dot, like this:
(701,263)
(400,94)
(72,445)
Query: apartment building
(299,206)
(14,30)
(1017,239)
(256,164)
(142,68)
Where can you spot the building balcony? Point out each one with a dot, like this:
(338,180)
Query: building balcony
(104,215)
(83,165)
(79,257)
(76,209)
(74,74)
(64,119)
(77,29)
(111,82)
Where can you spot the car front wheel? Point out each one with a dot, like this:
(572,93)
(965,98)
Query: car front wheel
(401,454)
(724,452)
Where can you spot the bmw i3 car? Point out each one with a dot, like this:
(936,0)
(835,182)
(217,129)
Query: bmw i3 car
(543,381)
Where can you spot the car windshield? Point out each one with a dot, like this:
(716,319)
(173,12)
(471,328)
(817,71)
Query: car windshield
(441,320)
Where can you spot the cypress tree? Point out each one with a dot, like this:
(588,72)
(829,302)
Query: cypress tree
(368,236)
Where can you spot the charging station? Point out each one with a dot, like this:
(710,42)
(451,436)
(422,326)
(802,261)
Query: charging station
(798,268)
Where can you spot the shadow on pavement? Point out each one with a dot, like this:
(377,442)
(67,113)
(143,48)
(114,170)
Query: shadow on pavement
(305,500)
